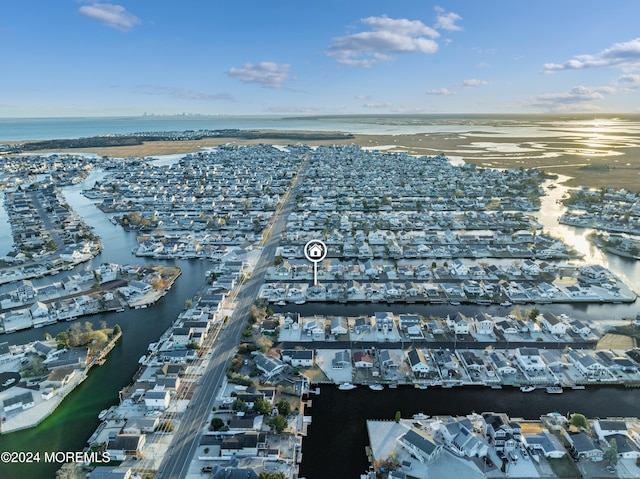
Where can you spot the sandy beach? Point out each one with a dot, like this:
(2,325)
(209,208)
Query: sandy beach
(595,165)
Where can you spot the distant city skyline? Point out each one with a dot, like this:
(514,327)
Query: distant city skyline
(85,58)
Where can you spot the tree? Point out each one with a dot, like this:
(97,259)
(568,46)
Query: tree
(579,420)
(533,314)
(284,408)
(271,475)
(216,424)
(398,416)
(611,454)
(264,343)
(117,330)
(278,423)
(239,405)
(261,406)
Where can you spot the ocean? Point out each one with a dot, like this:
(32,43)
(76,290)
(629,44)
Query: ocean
(621,128)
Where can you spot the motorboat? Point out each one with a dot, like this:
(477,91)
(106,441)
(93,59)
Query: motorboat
(554,390)
(376,387)
(347,387)
(527,389)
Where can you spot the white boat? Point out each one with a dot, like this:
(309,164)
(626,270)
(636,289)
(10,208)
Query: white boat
(554,390)
(103,414)
(376,387)
(347,387)
(527,389)
(281,303)
(506,303)
(420,415)
(300,301)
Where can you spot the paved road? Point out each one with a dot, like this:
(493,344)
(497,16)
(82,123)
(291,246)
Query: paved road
(186,439)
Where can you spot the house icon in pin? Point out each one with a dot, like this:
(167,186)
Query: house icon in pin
(316,251)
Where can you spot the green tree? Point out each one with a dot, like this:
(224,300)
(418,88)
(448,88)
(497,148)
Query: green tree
(398,416)
(117,329)
(239,405)
(216,424)
(533,314)
(579,420)
(271,475)
(611,454)
(284,408)
(278,423)
(261,406)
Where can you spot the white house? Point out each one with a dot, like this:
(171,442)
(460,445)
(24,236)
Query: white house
(298,357)
(484,324)
(157,399)
(530,360)
(423,448)
(554,324)
(418,363)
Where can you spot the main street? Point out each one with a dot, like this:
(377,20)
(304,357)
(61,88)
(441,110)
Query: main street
(186,439)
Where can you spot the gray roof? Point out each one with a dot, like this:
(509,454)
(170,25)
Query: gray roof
(420,442)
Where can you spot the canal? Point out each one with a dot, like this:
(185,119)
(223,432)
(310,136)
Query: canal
(76,418)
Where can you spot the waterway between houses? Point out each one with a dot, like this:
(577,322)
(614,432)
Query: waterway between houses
(76,418)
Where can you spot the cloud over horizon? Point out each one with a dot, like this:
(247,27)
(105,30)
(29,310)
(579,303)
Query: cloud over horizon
(114,16)
(266,74)
(624,56)
(385,37)
(577,96)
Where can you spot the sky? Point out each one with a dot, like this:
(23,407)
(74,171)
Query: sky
(253,57)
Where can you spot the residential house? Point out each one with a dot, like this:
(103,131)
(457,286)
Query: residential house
(544,442)
(243,444)
(362,325)
(387,359)
(268,365)
(362,360)
(157,399)
(504,435)
(501,364)
(424,448)
(459,324)
(141,425)
(338,326)
(23,400)
(410,325)
(126,445)
(58,378)
(606,428)
(341,360)
(484,324)
(554,324)
(298,357)
(587,364)
(529,360)
(418,363)
(582,446)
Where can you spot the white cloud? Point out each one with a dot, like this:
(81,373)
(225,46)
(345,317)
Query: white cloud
(375,105)
(385,37)
(184,93)
(473,82)
(579,97)
(624,56)
(628,82)
(114,16)
(267,74)
(447,21)
(441,92)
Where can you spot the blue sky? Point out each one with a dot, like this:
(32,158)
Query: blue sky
(127,57)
